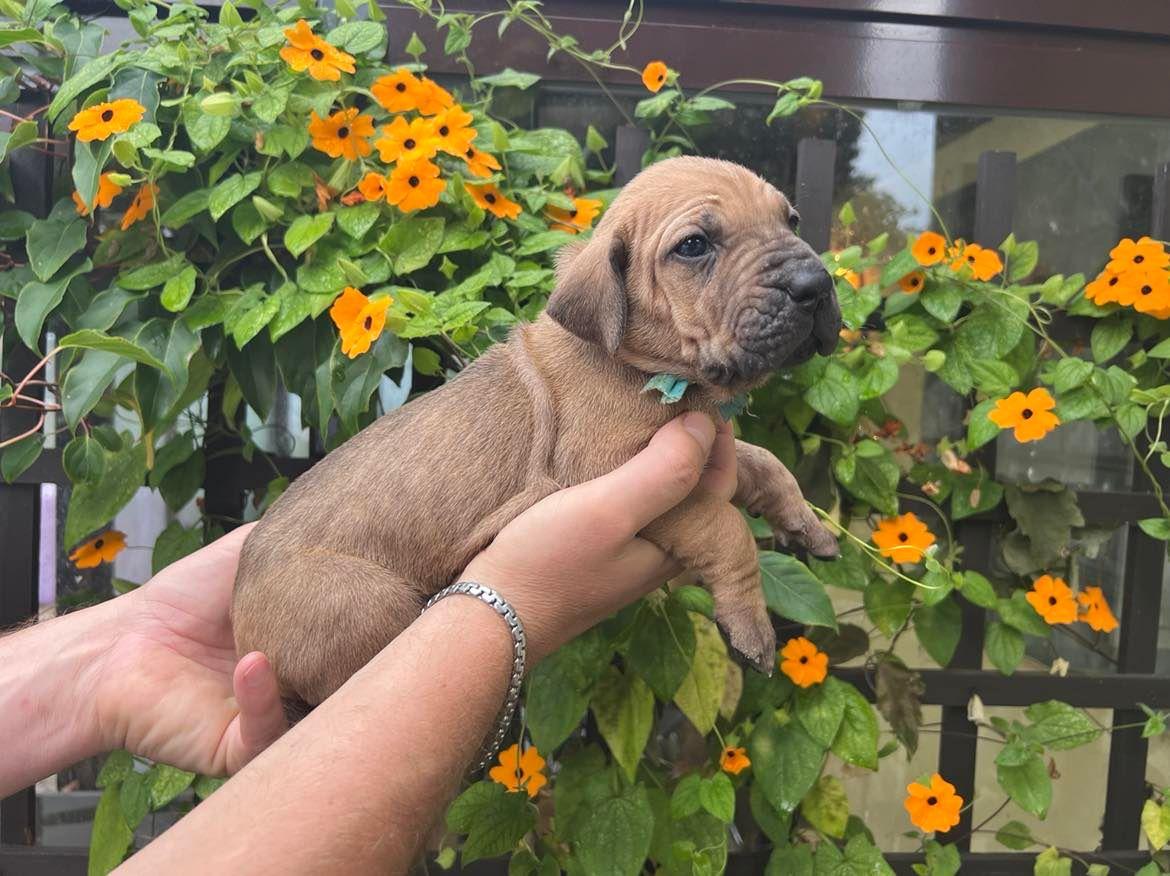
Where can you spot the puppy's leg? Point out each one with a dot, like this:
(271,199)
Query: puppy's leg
(710,536)
(767,489)
(320,618)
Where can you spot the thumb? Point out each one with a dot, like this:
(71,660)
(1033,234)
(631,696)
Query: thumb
(660,476)
(261,714)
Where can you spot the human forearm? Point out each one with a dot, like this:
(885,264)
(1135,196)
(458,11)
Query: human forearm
(363,777)
(47,718)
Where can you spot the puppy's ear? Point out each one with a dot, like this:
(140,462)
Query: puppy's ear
(590,297)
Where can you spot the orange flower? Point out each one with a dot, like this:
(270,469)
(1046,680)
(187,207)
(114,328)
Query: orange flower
(141,206)
(359,320)
(101,549)
(398,91)
(490,198)
(849,276)
(1151,290)
(107,191)
(654,76)
(1030,415)
(414,185)
(408,141)
(103,119)
(1053,600)
(1146,253)
(903,539)
(912,282)
(984,263)
(1095,610)
(929,249)
(307,51)
(431,98)
(580,218)
(935,808)
(480,163)
(453,128)
(734,760)
(803,663)
(373,186)
(343,134)
(1110,287)
(520,771)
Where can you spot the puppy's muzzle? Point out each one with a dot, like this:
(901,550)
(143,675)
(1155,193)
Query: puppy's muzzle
(808,286)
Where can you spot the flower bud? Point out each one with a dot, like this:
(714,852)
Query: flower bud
(934,360)
(353,272)
(270,211)
(220,104)
(120,179)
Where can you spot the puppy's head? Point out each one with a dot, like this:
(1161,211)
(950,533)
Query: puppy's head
(696,270)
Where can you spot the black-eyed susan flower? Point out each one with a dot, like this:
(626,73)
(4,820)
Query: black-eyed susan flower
(803,663)
(1053,600)
(432,98)
(100,549)
(734,760)
(307,51)
(103,120)
(983,263)
(141,206)
(372,186)
(1142,253)
(520,772)
(1151,290)
(397,91)
(935,807)
(1110,287)
(580,218)
(929,248)
(490,198)
(343,134)
(107,191)
(912,282)
(480,163)
(407,141)
(903,539)
(1095,611)
(1030,415)
(654,76)
(453,129)
(414,185)
(359,320)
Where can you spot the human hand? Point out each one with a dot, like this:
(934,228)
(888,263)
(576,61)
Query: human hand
(169,686)
(574,558)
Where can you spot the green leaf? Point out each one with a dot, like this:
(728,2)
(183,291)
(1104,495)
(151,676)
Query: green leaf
(357,37)
(887,603)
(653,107)
(154,274)
(662,647)
(307,230)
(857,738)
(1004,646)
(1050,863)
(111,836)
(509,78)
(899,699)
(89,161)
(14,224)
(978,590)
(786,761)
(942,301)
(1156,823)
(116,767)
(1028,784)
(90,74)
(231,191)
(821,709)
(1156,527)
(835,395)
(1109,337)
(826,807)
(624,709)
(83,459)
(85,382)
(794,860)
(16,458)
(1018,613)
(93,505)
(1022,260)
(792,591)
(899,266)
(1058,726)
(494,820)
(167,783)
(51,242)
(37,300)
(134,798)
(412,243)
(1015,835)
(1070,373)
(874,478)
(89,339)
(938,628)
(614,838)
(174,543)
(560,686)
(356,221)
(178,289)
(187,207)
(204,130)
(701,692)
(717,796)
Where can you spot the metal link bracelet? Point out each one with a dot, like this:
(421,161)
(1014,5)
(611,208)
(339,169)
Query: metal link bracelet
(519,653)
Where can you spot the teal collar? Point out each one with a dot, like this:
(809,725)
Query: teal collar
(672,387)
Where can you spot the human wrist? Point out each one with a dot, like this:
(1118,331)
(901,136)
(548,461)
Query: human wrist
(535,611)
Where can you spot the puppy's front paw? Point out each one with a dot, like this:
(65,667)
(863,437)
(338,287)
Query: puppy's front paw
(809,533)
(751,634)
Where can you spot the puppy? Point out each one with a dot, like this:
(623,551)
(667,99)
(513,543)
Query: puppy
(695,270)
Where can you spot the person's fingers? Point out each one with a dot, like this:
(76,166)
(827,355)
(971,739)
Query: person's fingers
(720,476)
(656,479)
(258,696)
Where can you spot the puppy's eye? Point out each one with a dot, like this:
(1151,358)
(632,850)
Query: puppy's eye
(794,220)
(693,246)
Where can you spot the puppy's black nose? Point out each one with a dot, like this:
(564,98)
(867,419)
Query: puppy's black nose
(808,282)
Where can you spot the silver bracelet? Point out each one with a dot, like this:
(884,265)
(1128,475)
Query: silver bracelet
(519,650)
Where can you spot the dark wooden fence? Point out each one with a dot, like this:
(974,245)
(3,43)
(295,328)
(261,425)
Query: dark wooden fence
(229,477)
